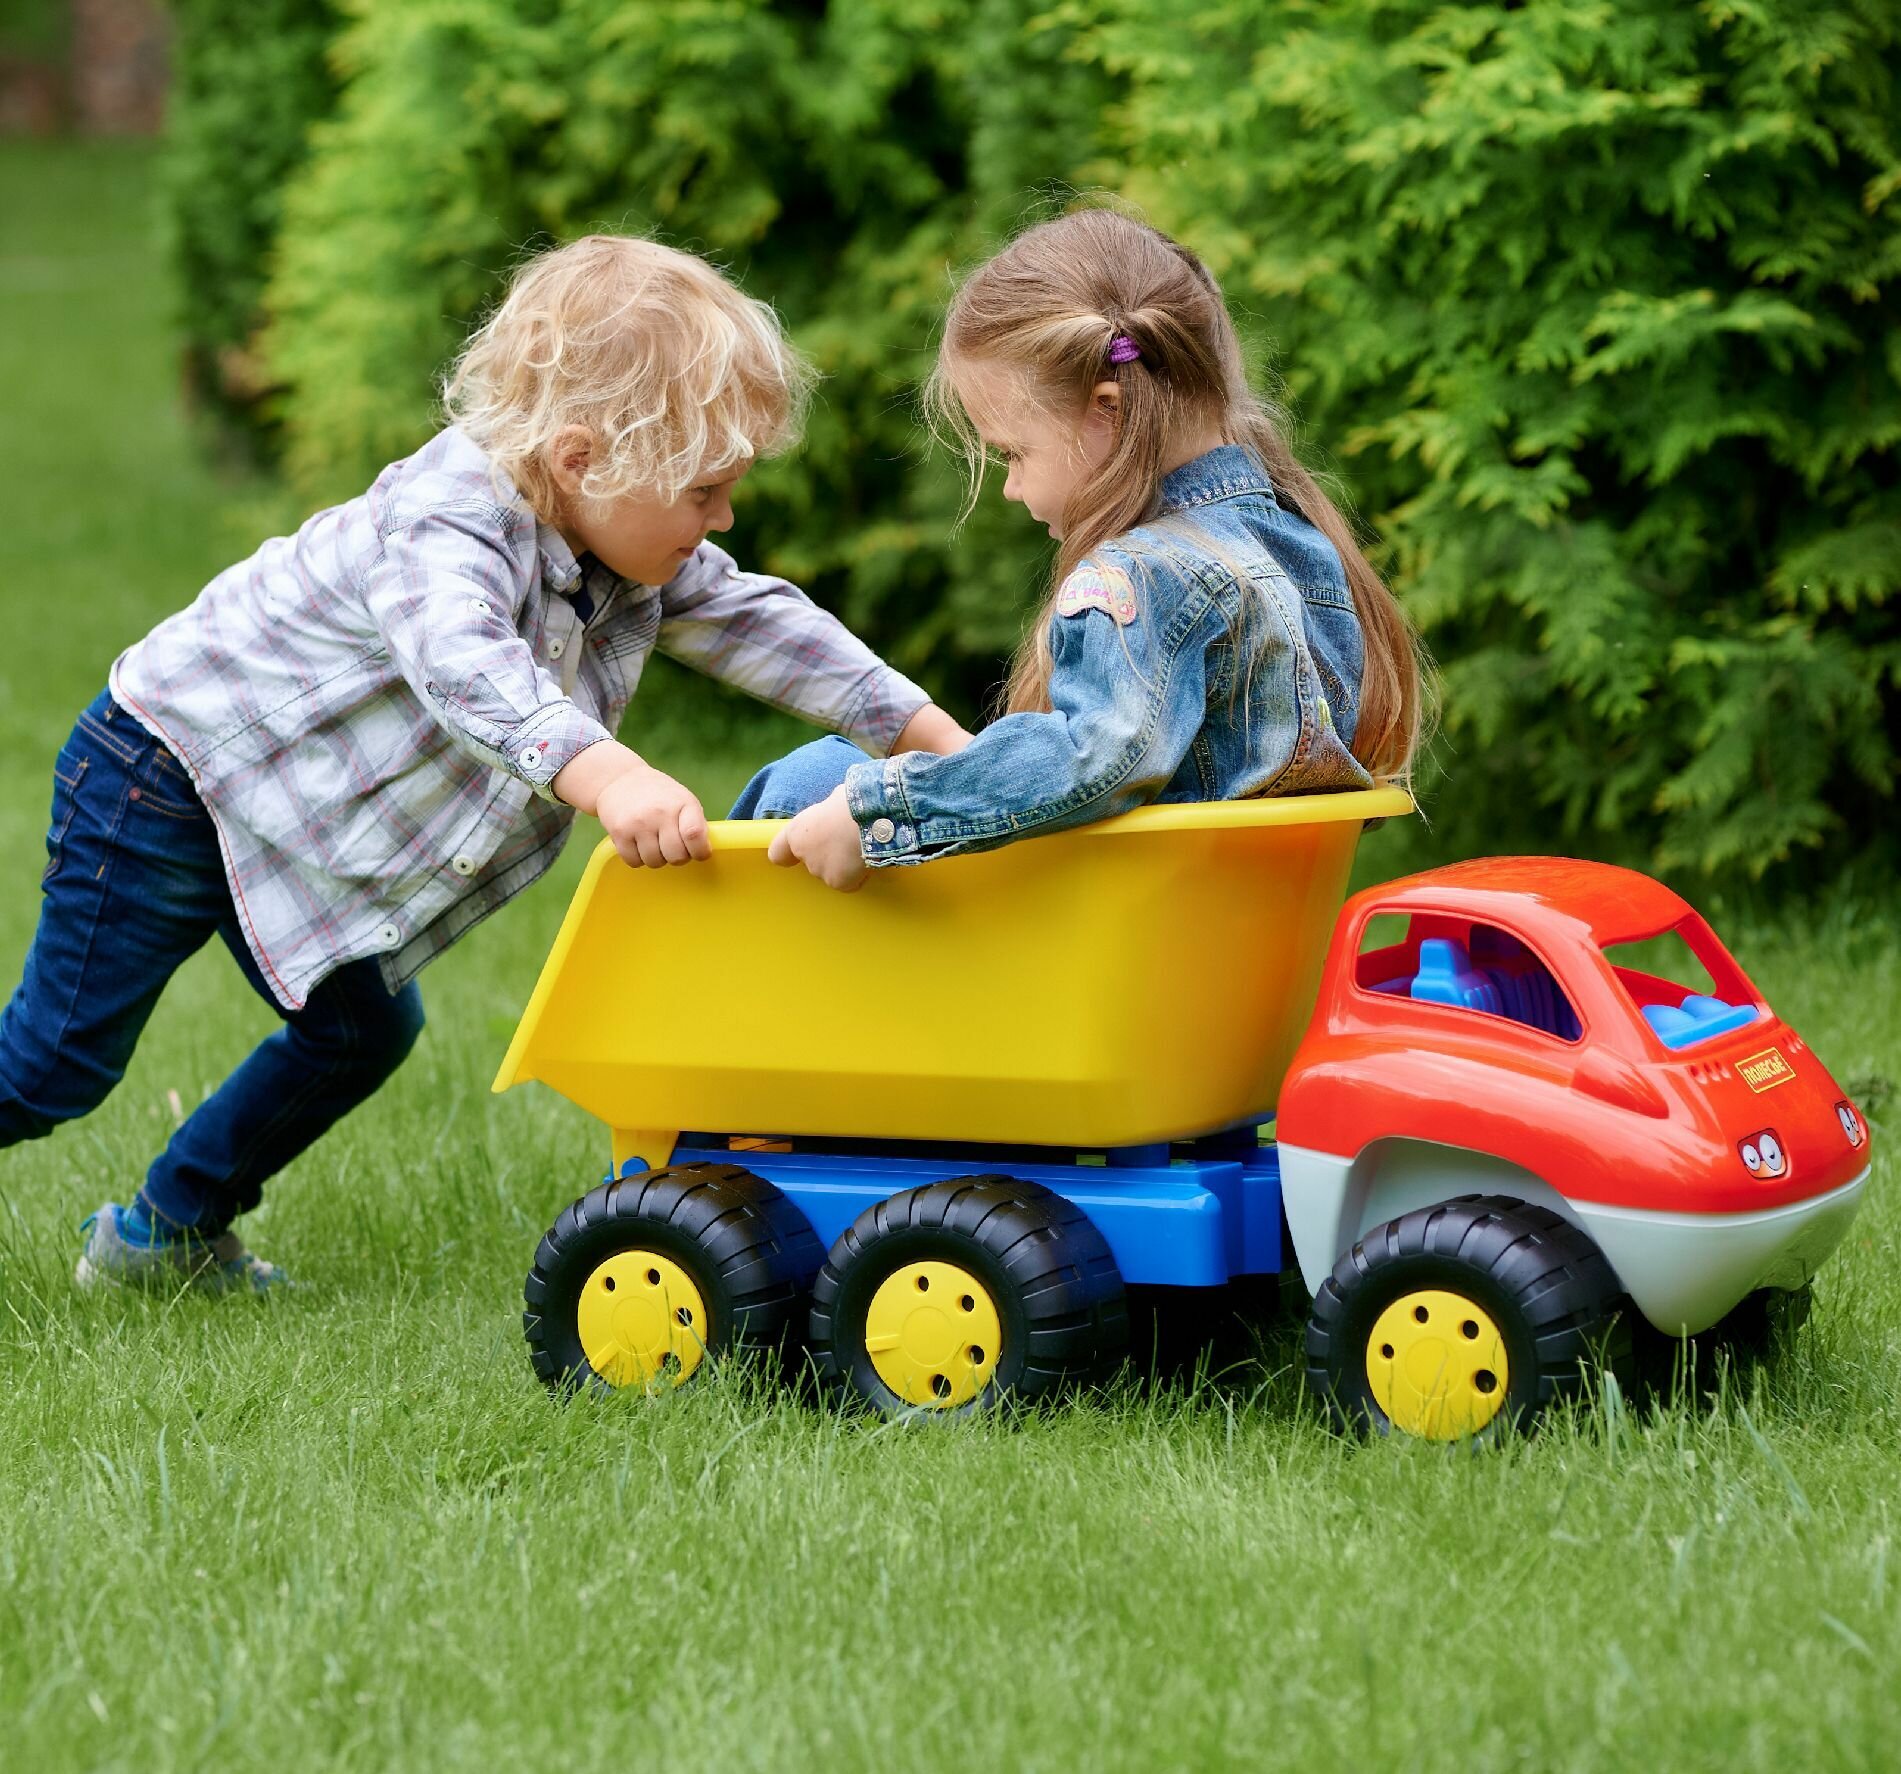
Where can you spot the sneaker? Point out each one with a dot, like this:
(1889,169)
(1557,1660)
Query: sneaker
(121,1253)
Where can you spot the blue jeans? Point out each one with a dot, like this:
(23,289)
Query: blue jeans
(134,886)
(799,780)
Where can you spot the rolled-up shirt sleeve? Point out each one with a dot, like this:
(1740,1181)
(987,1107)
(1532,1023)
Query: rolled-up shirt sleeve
(446,595)
(765,636)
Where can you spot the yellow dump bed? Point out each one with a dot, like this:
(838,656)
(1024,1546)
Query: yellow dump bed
(1143,979)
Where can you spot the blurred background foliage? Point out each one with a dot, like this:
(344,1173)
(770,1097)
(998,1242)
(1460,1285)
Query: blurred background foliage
(1588,306)
(248,79)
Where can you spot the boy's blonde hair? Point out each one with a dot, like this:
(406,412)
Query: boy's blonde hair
(1048,309)
(675,375)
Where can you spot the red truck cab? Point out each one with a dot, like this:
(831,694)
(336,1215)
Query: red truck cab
(1499,1037)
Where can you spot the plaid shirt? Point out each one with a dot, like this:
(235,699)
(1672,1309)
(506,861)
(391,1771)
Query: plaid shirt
(374,709)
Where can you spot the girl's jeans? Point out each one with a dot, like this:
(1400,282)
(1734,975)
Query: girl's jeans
(799,780)
(134,886)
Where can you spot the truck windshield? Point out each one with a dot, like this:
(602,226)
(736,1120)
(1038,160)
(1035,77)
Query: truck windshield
(1685,984)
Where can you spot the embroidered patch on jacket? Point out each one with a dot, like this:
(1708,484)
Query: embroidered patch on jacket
(1097,588)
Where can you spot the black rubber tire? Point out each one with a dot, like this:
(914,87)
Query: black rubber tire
(1057,1290)
(1554,1296)
(750,1251)
(1755,1332)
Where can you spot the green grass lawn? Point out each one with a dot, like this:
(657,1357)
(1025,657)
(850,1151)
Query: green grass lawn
(346,1528)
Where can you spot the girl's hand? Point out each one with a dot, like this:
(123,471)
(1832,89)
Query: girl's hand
(652,819)
(825,839)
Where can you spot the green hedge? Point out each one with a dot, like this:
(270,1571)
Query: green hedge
(1597,304)
(248,78)
(1591,305)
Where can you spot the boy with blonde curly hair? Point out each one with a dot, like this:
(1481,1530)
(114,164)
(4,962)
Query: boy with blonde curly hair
(359,742)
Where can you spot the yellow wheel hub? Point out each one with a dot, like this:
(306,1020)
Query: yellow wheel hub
(1436,1364)
(641,1320)
(933,1334)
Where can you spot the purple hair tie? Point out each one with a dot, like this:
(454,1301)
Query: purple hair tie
(1123,349)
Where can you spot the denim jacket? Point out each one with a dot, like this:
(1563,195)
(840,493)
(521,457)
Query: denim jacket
(1211,654)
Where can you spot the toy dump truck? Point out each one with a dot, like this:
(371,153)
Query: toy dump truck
(935,1128)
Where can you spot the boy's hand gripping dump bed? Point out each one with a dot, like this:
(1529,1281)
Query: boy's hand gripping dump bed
(653,820)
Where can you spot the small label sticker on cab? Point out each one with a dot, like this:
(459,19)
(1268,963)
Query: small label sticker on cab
(1765,1070)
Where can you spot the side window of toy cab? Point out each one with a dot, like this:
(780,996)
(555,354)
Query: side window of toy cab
(1464,967)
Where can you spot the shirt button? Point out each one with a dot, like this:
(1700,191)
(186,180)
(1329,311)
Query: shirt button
(388,936)
(555,651)
(531,757)
(464,865)
(479,605)
(882,831)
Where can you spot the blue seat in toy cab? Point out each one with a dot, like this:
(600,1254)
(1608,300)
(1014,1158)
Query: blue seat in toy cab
(1698,1018)
(1446,976)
